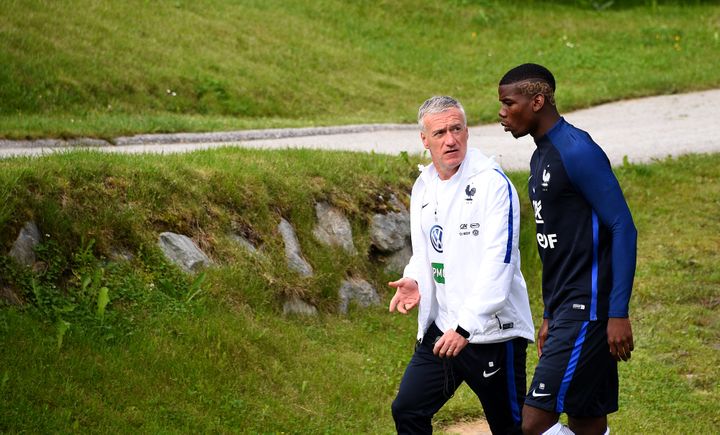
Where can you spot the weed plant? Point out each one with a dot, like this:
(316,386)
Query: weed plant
(87,68)
(112,338)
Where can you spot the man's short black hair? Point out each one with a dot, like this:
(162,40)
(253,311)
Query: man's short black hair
(528,71)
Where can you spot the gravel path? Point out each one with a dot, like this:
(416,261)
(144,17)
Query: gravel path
(641,129)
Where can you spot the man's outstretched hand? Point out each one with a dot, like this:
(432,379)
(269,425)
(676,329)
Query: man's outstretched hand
(407,295)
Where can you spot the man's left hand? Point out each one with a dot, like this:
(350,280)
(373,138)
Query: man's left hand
(450,344)
(620,338)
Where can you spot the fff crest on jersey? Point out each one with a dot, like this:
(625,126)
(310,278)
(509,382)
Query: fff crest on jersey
(469,192)
(436,233)
(545,178)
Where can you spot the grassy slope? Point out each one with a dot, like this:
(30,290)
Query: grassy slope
(111,68)
(227,361)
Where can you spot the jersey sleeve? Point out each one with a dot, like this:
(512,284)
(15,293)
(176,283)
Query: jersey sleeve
(590,172)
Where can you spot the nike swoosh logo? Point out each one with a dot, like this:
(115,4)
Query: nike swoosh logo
(487,375)
(536,394)
(425,205)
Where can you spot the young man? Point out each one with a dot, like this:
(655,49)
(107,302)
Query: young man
(587,243)
(474,318)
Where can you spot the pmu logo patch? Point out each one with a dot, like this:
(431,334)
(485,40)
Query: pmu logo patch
(436,233)
(438,270)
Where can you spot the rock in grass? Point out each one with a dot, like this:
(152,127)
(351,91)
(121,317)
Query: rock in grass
(295,261)
(357,290)
(244,243)
(180,250)
(333,228)
(295,305)
(8,296)
(396,262)
(23,249)
(390,232)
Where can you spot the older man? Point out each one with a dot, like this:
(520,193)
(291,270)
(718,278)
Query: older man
(474,318)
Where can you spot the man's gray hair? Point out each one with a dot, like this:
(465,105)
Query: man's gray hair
(438,104)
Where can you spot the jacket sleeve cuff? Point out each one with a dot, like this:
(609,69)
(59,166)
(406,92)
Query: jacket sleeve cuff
(465,334)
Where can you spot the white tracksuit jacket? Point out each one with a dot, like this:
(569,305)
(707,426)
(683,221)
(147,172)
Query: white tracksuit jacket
(485,289)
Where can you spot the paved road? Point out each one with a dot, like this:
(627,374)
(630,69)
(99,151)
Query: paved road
(641,129)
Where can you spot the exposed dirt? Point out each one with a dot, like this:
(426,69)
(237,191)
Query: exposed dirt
(477,427)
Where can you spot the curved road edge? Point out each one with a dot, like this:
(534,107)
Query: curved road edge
(640,130)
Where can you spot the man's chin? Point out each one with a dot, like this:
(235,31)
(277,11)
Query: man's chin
(453,160)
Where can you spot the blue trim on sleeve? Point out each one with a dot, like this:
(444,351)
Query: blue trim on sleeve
(512,390)
(508,252)
(572,365)
(596,242)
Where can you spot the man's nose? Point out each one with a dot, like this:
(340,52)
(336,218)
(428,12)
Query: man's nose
(450,139)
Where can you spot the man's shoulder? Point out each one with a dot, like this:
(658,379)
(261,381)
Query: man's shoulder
(491,183)
(420,184)
(577,150)
(571,141)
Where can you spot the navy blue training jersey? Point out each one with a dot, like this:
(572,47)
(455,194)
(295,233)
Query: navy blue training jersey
(585,234)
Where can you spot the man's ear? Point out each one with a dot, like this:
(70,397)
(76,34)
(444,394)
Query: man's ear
(423,138)
(538,102)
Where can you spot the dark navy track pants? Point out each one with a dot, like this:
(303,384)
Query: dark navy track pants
(495,372)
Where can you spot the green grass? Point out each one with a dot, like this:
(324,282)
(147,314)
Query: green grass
(105,69)
(227,360)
